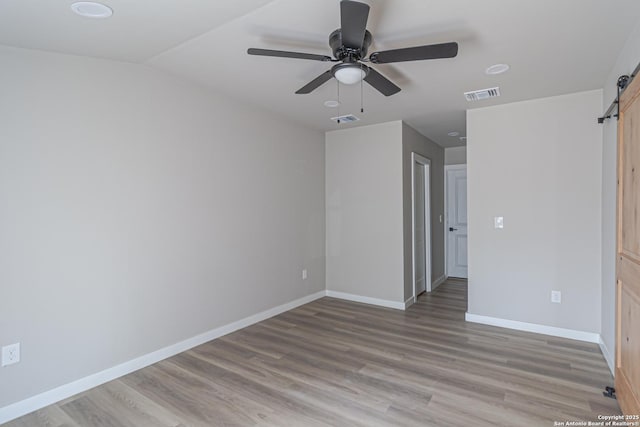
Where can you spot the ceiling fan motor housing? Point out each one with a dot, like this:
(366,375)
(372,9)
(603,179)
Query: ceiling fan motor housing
(340,51)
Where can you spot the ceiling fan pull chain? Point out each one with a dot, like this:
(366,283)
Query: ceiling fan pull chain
(338,82)
(361,91)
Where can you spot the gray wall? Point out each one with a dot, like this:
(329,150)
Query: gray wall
(138,211)
(412,141)
(455,156)
(364,211)
(626,63)
(522,165)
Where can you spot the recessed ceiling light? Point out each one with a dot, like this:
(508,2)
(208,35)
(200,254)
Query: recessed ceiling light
(331,104)
(90,9)
(497,69)
(454,133)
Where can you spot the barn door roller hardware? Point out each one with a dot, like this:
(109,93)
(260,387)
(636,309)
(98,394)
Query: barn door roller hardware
(609,392)
(622,83)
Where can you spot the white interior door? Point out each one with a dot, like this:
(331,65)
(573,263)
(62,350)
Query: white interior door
(456,221)
(421,225)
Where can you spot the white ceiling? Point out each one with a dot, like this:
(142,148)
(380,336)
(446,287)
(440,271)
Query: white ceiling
(553,47)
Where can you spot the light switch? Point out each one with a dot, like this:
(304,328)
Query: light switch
(498,222)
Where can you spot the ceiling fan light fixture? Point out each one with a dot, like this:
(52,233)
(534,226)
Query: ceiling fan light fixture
(349,73)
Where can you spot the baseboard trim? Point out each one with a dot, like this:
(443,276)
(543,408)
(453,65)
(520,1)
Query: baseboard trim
(439,281)
(409,302)
(39,401)
(398,305)
(533,327)
(607,355)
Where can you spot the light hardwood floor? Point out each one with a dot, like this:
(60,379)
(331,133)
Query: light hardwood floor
(339,363)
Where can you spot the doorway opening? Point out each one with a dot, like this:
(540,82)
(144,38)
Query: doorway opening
(421,223)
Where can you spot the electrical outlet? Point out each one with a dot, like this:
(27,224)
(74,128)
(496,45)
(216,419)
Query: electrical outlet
(498,222)
(10,354)
(556,297)
(304,274)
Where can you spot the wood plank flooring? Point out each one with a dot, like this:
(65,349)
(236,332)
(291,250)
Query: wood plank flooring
(339,363)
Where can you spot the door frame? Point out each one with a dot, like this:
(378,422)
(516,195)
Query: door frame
(448,168)
(417,158)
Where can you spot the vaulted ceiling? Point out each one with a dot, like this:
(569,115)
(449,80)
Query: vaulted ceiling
(553,47)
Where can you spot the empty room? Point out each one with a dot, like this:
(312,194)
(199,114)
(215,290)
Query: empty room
(319,213)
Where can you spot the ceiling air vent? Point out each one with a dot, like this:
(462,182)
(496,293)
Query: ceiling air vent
(345,119)
(479,95)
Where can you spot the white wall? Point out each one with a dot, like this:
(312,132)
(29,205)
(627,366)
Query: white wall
(138,211)
(626,63)
(368,185)
(412,141)
(537,163)
(364,211)
(455,156)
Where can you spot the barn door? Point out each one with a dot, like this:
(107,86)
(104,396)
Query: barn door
(628,259)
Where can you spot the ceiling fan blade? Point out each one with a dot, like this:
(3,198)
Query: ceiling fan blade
(353,22)
(381,83)
(315,83)
(418,53)
(285,54)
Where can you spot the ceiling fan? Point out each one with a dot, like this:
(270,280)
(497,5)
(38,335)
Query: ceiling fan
(350,44)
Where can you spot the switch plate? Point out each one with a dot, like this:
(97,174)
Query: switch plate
(498,222)
(10,354)
(556,297)
(440,219)
(304,274)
